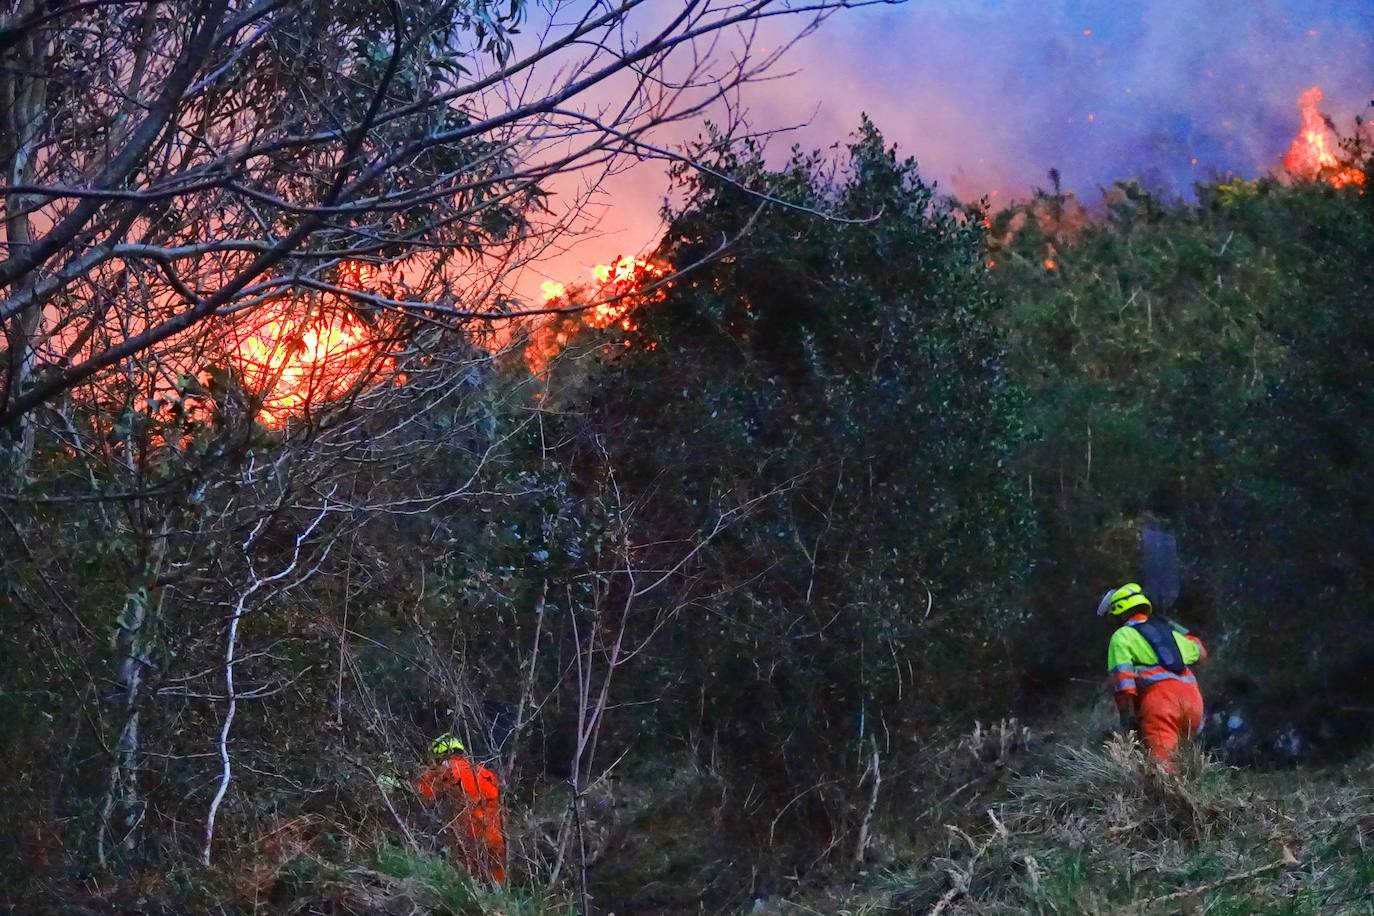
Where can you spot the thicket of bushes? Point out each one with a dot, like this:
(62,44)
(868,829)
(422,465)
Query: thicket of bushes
(1207,364)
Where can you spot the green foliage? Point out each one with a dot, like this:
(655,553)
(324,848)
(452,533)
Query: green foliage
(448,888)
(824,411)
(1208,364)
(434,882)
(840,486)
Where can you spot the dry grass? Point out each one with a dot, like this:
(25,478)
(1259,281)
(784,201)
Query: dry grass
(1122,791)
(1005,822)
(1106,831)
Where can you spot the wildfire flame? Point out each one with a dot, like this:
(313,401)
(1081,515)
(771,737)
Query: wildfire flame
(293,357)
(1311,155)
(617,291)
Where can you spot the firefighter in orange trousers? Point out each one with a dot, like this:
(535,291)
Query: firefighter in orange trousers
(470,797)
(1147,660)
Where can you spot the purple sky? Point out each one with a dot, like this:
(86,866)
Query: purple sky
(988,95)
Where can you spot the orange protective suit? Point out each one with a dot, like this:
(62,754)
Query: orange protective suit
(1167,704)
(1169,711)
(472,796)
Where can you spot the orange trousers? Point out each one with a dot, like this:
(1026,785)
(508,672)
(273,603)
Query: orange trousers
(1170,712)
(481,842)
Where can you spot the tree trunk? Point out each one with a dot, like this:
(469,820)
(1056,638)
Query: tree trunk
(121,812)
(23,92)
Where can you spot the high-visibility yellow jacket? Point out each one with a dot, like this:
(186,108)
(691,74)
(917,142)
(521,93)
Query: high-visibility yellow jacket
(1133,665)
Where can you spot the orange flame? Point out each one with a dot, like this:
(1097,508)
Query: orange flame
(293,356)
(617,291)
(1311,156)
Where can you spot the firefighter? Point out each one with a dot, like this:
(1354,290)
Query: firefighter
(469,797)
(1147,661)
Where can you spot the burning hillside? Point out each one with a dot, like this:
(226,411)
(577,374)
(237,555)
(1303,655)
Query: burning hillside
(292,357)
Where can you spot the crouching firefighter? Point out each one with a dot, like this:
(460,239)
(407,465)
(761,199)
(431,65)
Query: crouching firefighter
(1155,691)
(469,798)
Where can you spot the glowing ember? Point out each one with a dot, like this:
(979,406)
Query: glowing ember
(293,355)
(616,290)
(1312,156)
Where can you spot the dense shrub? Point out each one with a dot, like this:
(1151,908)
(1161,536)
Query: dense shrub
(1206,364)
(839,376)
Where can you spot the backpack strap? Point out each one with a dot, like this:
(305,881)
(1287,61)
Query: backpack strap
(1160,635)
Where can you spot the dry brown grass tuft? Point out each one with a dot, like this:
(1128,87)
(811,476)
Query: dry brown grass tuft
(1124,793)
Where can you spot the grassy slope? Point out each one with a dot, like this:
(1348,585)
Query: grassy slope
(1006,820)
(1078,828)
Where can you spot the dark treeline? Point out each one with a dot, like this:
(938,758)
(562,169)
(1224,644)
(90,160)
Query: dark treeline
(846,484)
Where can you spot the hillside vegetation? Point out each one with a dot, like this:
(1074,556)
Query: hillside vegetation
(722,590)
(1013,819)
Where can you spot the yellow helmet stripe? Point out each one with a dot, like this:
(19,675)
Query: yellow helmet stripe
(446,744)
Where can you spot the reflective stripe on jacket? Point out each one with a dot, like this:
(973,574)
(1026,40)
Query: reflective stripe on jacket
(1133,665)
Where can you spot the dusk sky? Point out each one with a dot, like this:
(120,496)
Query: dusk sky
(988,95)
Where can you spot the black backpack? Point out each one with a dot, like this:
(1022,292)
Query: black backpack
(1160,635)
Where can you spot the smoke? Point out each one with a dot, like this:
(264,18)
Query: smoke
(988,95)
